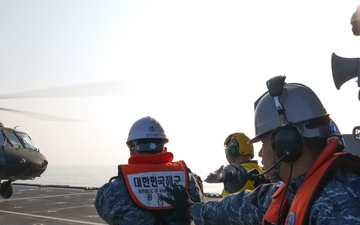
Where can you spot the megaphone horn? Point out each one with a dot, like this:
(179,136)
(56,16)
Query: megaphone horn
(344,69)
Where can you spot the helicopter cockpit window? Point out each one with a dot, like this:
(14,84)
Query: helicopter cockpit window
(26,140)
(4,141)
(13,139)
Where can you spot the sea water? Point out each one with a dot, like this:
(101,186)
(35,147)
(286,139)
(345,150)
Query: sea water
(93,177)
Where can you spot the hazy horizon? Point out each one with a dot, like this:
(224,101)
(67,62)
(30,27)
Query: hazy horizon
(195,66)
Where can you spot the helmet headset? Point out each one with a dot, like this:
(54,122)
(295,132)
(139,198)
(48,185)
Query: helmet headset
(286,140)
(237,144)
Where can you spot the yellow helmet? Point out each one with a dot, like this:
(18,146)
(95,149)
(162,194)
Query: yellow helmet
(237,143)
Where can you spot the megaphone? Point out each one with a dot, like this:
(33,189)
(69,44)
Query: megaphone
(344,69)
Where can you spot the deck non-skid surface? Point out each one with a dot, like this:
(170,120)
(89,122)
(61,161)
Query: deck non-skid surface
(53,204)
(38,205)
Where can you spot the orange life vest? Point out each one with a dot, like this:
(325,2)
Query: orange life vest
(319,173)
(146,177)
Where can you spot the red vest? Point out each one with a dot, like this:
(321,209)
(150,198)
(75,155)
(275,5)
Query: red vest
(320,171)
(146,177)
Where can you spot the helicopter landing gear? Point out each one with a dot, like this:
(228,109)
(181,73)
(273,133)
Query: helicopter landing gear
(6,189)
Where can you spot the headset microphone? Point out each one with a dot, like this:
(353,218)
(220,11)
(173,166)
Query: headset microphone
(253,173)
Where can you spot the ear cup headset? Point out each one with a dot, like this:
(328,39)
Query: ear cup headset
(287,144)
(238,144)
(287,141)
(232,147)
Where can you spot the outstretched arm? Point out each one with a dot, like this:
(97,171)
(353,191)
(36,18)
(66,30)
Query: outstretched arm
(216,176)
(246,207)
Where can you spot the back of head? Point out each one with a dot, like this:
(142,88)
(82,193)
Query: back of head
(354,21)
(354,18)
(237,144)
(147,135)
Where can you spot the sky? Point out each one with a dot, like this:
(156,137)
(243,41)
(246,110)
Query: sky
(195,66)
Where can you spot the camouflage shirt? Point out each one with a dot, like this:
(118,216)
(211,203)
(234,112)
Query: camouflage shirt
(337,203)
(115,206)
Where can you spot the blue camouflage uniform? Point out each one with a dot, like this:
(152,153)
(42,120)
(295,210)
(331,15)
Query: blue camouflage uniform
(115,206)
(337,203)
(236,179)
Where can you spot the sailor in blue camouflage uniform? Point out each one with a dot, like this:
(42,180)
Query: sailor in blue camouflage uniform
(320,183)
(117,203)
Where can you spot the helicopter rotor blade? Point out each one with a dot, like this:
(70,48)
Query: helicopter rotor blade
(109,88)
(40,116)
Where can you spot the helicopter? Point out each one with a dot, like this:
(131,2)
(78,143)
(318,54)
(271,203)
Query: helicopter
(19,159)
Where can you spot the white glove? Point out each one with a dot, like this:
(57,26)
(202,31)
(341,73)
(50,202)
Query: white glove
(216,176)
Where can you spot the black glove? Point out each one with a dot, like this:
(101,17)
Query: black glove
(181,202)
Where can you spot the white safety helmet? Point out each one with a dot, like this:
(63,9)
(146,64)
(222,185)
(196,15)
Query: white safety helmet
(145,128)
(300,104)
